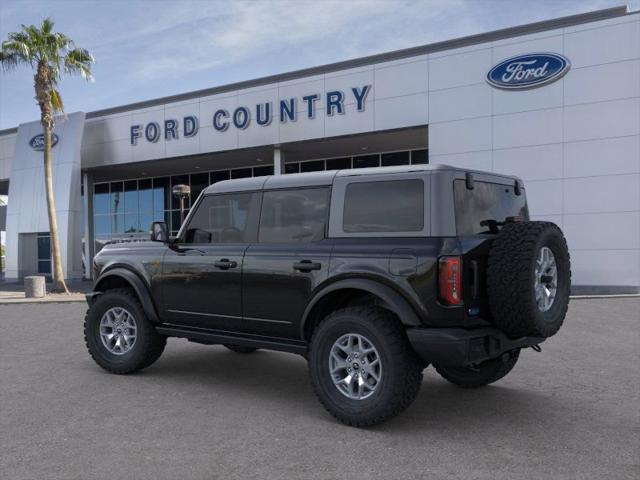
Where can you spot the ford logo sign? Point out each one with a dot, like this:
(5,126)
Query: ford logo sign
(528,71)
(37,142)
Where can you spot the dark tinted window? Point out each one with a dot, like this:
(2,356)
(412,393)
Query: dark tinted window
(313,166)
(291,167)
(395,158)
(228,218)
(384,206)
(419,157)
(366,161)
(293,215)
(339,163)
(487,201)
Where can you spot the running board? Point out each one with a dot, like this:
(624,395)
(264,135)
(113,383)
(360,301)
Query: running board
(213,337)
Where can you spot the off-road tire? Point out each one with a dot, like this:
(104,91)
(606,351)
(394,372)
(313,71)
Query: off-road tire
(401,375)
(481,375)
(239,348)
(148,346)
(510,279)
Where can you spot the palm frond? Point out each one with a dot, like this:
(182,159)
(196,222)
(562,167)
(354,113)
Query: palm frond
(56,101)
(79,61)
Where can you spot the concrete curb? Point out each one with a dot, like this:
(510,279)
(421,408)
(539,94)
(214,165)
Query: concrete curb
(73,298)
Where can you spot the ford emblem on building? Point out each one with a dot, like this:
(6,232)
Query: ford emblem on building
(37,142)
(528,71)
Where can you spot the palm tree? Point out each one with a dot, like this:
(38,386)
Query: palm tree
(50,55)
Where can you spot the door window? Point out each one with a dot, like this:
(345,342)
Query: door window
(293,216)
(226,218)
(384,206)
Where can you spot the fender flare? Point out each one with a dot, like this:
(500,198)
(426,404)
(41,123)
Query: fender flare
(141,289)
(397,303)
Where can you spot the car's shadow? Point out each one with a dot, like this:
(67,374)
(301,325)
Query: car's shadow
(283,379)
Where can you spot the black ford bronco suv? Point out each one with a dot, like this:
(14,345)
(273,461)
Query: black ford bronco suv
(371,274)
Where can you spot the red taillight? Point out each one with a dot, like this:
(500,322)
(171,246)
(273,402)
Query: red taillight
(450,280)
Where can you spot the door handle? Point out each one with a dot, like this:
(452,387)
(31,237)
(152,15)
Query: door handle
(306,266)
(225,264)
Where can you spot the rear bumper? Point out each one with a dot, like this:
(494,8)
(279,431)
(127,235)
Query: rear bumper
(460,347)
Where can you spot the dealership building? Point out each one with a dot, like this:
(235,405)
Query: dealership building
(556,103)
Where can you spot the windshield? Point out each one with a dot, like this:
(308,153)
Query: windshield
(487,201)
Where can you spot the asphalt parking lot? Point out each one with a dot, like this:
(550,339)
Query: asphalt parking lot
(200,412)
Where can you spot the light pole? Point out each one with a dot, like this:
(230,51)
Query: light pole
(182,192)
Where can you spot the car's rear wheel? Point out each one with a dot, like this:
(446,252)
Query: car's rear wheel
(480,375)
(362,367)
(118,334)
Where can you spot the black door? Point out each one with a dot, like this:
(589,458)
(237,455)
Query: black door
(289,260)
(202,272)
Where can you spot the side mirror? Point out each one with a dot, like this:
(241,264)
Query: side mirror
(159,232)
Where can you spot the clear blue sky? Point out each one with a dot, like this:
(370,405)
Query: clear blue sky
(149,49)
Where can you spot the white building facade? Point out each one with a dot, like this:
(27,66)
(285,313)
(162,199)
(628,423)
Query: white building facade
(572,133)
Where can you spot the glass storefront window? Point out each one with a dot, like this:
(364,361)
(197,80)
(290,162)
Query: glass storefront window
(131,203)
(117,194)
(161,194)
(419,157)
(366,161)
(145,195)
(395,158)
(218,176)
(102,224)
(313,166)
(179,180)
(199,181)
(101,198)
(241,173)
(338,163)
(292,167)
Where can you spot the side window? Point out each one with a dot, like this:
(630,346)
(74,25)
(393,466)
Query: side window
(225,218)
(296,215)
(384,206)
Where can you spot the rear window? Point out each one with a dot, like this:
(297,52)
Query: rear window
(487,201)
(384,206)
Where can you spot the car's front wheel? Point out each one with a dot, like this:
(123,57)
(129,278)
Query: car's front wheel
(118,334)
(362,367)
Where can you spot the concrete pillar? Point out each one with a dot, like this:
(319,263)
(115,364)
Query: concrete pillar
(87,184)
(278,161)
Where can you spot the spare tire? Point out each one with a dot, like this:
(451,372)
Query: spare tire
(529,279)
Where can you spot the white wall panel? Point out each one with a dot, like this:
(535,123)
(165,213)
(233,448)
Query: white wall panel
(609,156)
(304,128)
(345,83)
(549,41)
(472,160)
(544,197)
(399,112)
(549,96)
(117,127)
(605,267)
(460,136)
(456,70)
(601,120)
(351,122)
(459,103)
(540,162)
(603,231)
(403,79)
(602,82)
(212,140)
(603,45)
(616,193)
(527,128)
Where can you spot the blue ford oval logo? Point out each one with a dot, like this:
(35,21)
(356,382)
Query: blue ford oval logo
(528,71)
(37,142)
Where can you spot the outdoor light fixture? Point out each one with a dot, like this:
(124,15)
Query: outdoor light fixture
(182,192)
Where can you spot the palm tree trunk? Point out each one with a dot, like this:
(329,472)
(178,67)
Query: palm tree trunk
(59,284)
